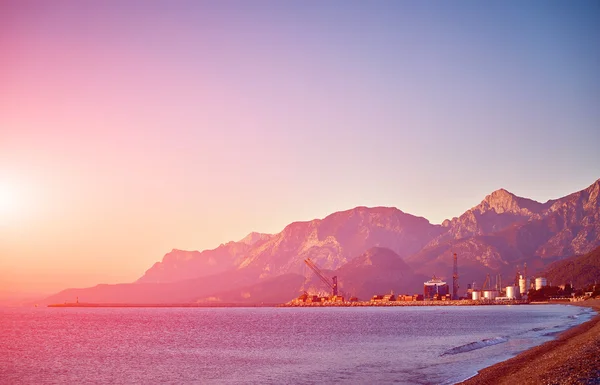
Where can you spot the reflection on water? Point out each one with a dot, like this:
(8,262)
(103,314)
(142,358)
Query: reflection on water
(268,345)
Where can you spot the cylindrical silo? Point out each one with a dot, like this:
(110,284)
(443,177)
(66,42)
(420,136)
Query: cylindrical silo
(511,292)
(489,294)
(476,295)
(523,285)
(539,283)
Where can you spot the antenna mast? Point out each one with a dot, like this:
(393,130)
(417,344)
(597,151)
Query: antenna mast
(455,278)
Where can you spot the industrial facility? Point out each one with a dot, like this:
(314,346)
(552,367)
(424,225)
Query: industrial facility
(523,285)
(540,282)
(434,290)
(333,285)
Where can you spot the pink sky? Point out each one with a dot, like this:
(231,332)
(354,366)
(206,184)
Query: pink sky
(129,130)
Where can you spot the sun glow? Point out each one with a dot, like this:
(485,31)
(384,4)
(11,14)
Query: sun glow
(10,202)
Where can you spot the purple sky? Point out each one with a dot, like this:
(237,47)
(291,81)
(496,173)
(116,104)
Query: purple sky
(128,128)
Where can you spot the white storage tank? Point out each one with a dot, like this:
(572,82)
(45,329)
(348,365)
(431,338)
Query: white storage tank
(476,295)
(511,292)
(523,285)
(540,282)
(489,294)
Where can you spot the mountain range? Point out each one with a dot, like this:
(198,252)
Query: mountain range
(581,270)
(371,251)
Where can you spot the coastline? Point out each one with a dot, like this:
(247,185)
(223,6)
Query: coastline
(572,358)
(461,302)
(298,304)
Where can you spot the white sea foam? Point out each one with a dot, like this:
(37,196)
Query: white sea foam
(476,345)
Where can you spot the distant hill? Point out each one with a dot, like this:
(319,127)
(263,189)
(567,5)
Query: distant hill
(372,250)
(184,291)
(583,270)
(179,265)
(275,290)
(378,271)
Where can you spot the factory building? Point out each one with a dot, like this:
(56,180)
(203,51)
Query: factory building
(435,288)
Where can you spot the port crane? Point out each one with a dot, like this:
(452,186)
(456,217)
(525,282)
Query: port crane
(486,284)
(332,285)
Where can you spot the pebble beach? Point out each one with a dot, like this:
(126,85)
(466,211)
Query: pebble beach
(572,358)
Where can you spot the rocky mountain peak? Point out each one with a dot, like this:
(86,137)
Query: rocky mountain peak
(254,237)
(502,201)
(497,211)
(594,191)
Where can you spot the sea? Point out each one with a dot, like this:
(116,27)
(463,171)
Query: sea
(353,345)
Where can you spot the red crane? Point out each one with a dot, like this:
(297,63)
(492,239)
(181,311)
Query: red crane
(332,285)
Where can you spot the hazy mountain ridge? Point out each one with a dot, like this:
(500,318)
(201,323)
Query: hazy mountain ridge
(275,290)
(179,265)
(184,291)
(329,242)
(582,270)
(501,233)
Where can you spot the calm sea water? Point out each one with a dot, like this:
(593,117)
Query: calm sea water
(412,345)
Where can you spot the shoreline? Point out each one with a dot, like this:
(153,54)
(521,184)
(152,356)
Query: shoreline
(572,358)
(461,302)
(298,304)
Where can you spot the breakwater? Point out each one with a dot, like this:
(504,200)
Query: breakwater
(162,305)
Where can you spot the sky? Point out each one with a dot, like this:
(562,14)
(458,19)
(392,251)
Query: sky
(130,128)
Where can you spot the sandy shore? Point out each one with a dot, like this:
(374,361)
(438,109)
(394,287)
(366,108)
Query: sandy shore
(573,358)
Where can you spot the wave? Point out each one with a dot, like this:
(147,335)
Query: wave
(551,334)
(476,345)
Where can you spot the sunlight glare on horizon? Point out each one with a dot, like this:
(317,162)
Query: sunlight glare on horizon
(12,202)
(9,201)
(129,129)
